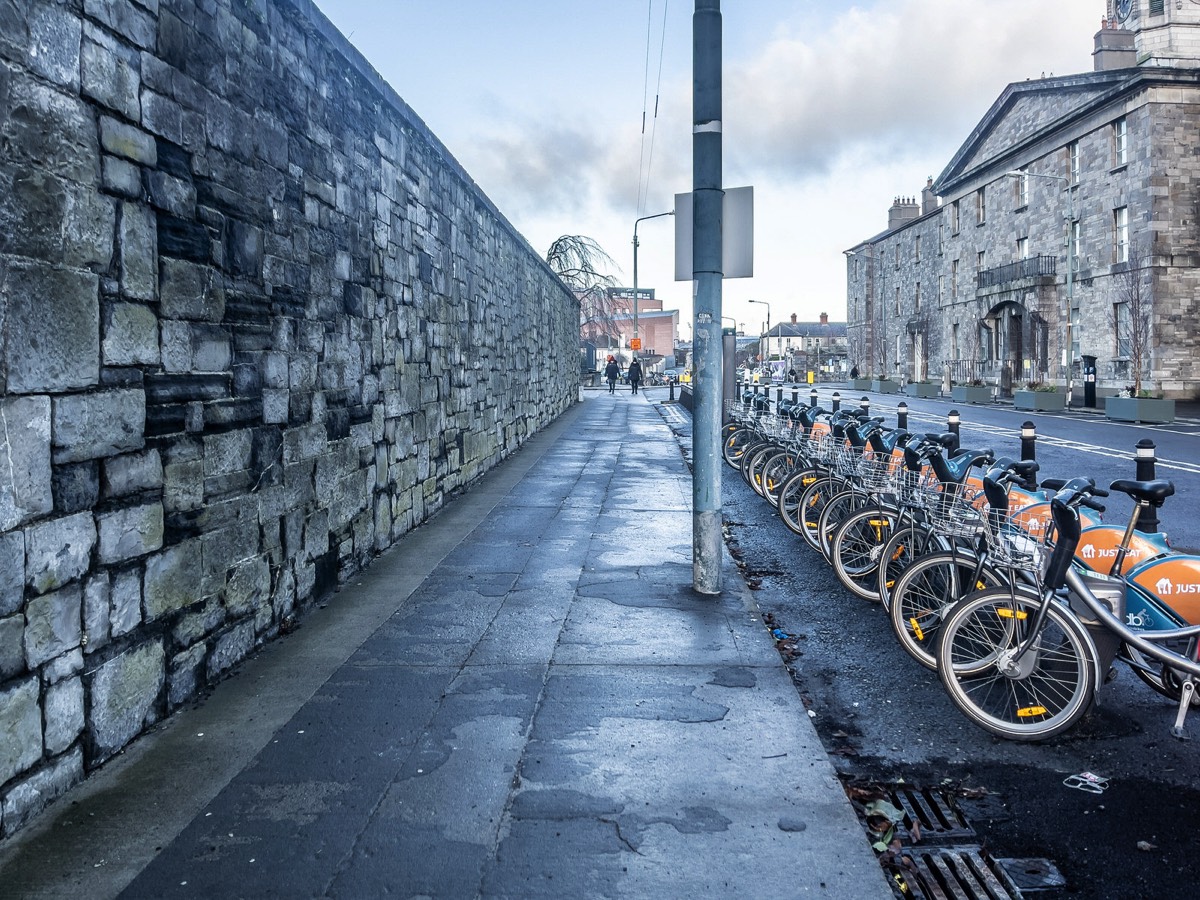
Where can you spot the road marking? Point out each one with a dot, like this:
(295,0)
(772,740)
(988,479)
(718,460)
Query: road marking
(1068,444)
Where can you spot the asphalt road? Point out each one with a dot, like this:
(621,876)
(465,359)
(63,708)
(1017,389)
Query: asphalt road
(892,732)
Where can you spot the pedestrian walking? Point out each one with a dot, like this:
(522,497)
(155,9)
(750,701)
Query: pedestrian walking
(635,374)
(612,372)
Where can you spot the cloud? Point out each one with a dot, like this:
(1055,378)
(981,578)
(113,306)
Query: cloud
(905,77)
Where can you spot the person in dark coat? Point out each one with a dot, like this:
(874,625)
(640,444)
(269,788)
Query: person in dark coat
(635,374)
(612,372)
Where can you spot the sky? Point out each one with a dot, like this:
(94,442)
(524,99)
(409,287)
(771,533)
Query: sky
(575,117)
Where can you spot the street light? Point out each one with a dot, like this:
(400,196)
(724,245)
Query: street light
(1069,187)
(635,249)
(768,334)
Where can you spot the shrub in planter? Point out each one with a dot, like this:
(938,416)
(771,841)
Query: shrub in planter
(1140,409)
(971,393)
(921,389)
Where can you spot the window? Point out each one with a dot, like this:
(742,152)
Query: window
(896,254)
(979,260)
(1023,248)
(954,219)
(897,302)
(1119,142)
(1123,322)
(917,248)
(954,340)
(941,236)
(980,207)
(941,289)
(1073,162)
(1121,234)
(1021,189)
(917,296)
(953,279)
(1156,7)
(1076,232)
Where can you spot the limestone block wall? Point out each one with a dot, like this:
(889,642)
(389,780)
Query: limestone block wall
(255,324)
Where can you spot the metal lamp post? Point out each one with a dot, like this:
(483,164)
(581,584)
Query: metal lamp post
(635,280)
(1069,187)
(768,334)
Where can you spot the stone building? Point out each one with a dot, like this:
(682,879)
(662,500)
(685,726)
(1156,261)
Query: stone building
(819,347)
(1101,168)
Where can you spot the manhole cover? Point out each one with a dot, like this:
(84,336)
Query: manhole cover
(1029,875)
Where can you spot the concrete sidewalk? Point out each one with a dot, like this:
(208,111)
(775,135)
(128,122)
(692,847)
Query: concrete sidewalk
(523,699)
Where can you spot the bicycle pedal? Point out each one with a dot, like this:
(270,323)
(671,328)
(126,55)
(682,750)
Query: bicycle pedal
(1111,675)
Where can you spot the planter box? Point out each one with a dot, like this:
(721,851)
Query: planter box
(885,386)
(924,391)
(969,393)
(860,384)
(1040,401)
(1139,409)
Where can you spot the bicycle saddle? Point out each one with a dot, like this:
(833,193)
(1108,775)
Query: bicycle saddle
(1152,492)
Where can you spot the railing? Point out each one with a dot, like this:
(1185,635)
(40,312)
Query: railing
(1033,267)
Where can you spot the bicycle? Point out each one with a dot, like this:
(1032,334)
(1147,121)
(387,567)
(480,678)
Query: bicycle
(1024,661)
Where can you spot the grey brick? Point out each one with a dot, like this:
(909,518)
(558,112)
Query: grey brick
(25,483)
(132,22)
(97,595)
(121,177)
(130,335)
(125,140)
(109,74)
(63,714)
(12,647)
(58,551)
(125,612)
(53,325)
(29,797)
(139,252)
(53,625)
(54,36)
(172,579)
(130,533)
(133,473)
(190,291)
(89,426)
(21,725)
(124,694)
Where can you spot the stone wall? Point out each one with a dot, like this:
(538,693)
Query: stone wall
(255,324)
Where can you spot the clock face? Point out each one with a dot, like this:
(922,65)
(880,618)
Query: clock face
(1124,8)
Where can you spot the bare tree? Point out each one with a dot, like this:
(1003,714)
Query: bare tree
(1130,316)
(584,267)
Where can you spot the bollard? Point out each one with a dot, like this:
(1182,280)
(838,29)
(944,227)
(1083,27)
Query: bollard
(865,405)
(902,416)
(795,395)
(837,401)
(812,398)
(1144,460)
(952,422)
(778,396)
(671,380)
(1028,440)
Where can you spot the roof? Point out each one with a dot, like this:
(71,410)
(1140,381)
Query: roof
(808,329)
(1027,113)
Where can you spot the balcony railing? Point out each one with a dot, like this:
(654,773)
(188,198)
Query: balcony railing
(1033,267)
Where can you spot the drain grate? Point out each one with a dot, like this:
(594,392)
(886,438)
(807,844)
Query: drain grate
(959,873)
(937,820)
(938,855)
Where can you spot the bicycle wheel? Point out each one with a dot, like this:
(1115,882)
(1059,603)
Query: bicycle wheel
(926,591)
(837,509)
(752,461)
(1038,696)
(774,472)
(735,445)
(856,547)
(1160,678)
(790,494)
(908,543)
(812,505)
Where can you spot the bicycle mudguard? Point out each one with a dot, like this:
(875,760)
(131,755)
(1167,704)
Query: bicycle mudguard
(1175,581)
(1098,547)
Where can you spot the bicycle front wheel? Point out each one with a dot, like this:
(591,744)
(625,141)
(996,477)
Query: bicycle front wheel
(856,547)
(926,591)
(1041,694)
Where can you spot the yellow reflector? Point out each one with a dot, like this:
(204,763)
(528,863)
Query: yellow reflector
(880,523)
(1026,712)
(899,552)
(916,629)
(1011,613)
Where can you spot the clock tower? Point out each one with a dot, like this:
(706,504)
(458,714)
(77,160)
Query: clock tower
(1165,32)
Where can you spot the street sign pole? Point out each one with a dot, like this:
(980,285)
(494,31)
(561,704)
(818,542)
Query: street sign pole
(707,267)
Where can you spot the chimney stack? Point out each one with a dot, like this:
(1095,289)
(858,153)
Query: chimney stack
(824,318)
(904,209)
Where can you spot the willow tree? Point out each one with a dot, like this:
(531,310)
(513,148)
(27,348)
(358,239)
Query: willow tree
(584,268)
